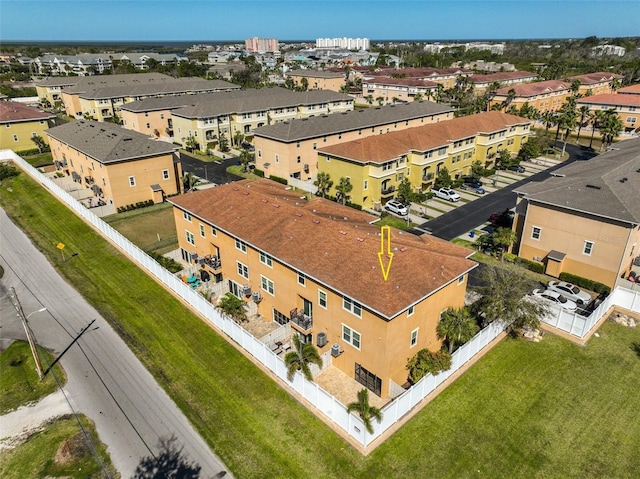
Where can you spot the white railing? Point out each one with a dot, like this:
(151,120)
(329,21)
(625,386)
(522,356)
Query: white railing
(580,326)
(305,185)
(330,407)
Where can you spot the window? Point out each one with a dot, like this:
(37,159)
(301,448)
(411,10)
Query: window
(266,259)
(302,279)
(190,238)
(350,336)
(243,270)
(186,216)
(165,174)
(267,285)
(132,181)
(461,280)
(410,311)
(202,230)
(277,158)
(352,306)
(535,232)
(588,248)
(368,379)
(241,245)
(213,231)
(366,184)
(322,299)
(414,337)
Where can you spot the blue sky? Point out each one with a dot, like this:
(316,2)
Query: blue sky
(220,20)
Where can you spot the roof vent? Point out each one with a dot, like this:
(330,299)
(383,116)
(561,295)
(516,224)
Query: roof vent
(595,187)
(360,239)
(622,180)
(264,201)
(316,222)
(342,232)
(275,205)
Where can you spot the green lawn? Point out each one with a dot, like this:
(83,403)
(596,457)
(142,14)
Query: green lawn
(37,161)
(549,409)
(144,226)
(35,457)
(19,381)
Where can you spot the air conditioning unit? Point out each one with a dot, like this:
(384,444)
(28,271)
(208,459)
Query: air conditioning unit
(193,256)
(246,290)
(256,296)
(322,340)
(335,350)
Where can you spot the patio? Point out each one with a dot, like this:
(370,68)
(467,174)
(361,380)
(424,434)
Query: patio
(344,388)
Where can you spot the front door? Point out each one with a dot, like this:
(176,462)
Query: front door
(307,307)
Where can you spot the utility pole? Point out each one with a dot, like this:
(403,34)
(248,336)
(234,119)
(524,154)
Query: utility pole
(27,330)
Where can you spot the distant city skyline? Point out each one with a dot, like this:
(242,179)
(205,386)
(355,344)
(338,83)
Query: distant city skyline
(234,20)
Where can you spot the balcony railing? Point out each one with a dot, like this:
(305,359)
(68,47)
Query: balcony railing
(388,191)
(301,319)
(212,262)
(427,177)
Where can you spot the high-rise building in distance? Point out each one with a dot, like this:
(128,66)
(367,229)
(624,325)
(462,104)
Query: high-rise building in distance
(344,42)
(256,44)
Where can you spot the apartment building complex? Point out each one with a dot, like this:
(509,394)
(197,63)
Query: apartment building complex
(543,96)
(288,149)
(121,167)
(344,42)
(256,44)
(378,164)
(314,264)
(317,79)
(20,123)
(484,82)
(585,219)
(596,83)
(626,106)
(204,118)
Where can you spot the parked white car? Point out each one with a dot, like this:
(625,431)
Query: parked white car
(394,206)
(553,297)
(570,291)
(446,194)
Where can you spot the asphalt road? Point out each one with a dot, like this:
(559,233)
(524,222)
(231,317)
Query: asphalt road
(106,381)
(214,171)
(469,216)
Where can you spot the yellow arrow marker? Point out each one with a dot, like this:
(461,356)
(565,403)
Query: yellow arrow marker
(385,238)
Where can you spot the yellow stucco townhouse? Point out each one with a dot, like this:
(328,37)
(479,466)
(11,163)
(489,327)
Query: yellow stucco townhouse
(20,123)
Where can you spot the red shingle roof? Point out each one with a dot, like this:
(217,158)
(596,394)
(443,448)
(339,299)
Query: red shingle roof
(383,148)
(501,76)
(11,111)
(612,99)
(533,89)
(330,243)
(593,78)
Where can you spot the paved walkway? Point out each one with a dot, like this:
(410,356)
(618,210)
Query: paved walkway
(18,425)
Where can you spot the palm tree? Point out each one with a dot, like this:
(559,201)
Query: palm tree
(369,99)
(595,119)
(511,94)
(567,120)
(503,238)
(246,157)
(300,357)
(611,127)
(343,189)
(366,411)
(232,307)
(323,182)
(584,113)
(456,327)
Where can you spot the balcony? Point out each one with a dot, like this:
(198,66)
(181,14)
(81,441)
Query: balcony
(212,262)
(427,177)
(298,317)
(88,180)
(388,191)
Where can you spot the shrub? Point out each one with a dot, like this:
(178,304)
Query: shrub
(7,171)
(167,263)
(279,180)
(31,152)
(531,265)
(585,283)
(258,172)
(510,257)
(427,362)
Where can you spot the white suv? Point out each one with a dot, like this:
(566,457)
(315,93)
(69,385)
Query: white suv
(394,206)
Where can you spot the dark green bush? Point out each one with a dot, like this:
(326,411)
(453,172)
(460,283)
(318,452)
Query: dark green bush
(258,172)
(167,263)
(7,171)
(427,362)
(585,283)
(279,180)
(531,265)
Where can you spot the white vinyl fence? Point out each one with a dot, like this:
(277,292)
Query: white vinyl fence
(580,326)
(318,397)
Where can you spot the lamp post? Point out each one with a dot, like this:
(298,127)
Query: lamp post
(27,330)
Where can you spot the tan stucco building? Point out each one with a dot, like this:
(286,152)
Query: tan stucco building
(543,96)
(584,219)
(317,79)
(626,106)
(289,149)
(121,167)
(314,264)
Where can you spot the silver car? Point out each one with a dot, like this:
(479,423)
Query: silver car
(570,291)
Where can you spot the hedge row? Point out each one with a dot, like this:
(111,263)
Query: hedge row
(585,283)
(531,265)
(135,206)
(258,172)
(278,179)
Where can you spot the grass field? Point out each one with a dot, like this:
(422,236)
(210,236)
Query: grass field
(549,409)
(35,457)
(19,381)
(143,227)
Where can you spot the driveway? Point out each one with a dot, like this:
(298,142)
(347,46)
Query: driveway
(214,171)
(106,381)
(466,217)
